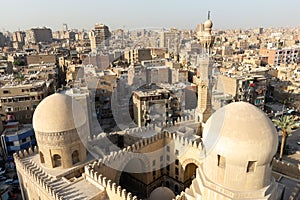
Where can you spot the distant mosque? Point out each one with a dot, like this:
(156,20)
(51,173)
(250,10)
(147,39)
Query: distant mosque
(233,159)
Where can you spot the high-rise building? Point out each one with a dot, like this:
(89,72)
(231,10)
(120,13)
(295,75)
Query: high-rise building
(36,35)
(99,37)
(2,40)
(170,40)
(18,39)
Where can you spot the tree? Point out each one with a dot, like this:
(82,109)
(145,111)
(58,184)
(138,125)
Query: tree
(19,77)
(19,63)
(286,124)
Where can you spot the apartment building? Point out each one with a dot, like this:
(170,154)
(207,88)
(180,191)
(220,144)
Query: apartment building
(155,105)
(249,88)
(281,56)
(16,137)
(37,35)
(137,55)
(99,37)
(21,99)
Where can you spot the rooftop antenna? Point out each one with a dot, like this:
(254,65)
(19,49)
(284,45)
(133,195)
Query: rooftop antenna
(208,16)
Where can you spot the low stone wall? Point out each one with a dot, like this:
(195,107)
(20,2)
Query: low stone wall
(286,168)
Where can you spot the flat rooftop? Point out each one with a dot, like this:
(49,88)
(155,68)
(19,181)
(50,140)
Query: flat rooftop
(26,83)
(74,188)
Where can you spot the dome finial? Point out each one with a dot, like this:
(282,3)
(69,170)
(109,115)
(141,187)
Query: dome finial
(208,15)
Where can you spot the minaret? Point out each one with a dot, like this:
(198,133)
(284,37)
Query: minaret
(204,108)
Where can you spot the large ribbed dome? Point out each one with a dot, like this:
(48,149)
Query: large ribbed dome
(241,131)
(58,113)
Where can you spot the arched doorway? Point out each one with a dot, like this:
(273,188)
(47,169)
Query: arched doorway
(189,174)
(56,160)
(75,157)
(136,183)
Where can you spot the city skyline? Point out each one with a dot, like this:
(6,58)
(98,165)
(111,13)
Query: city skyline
(138,15)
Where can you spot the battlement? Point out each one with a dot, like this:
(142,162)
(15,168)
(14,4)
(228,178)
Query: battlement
(152,129)
(118,155)
(144,130)
(286,168)
(37,173)
(111,187)
(295,193)
(181,196)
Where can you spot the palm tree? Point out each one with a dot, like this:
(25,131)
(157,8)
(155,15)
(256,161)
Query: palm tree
(19,77)
(285,123)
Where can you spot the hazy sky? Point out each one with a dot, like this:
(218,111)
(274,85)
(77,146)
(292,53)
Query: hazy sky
(133,14)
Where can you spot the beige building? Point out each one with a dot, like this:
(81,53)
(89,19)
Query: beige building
(99,37)
(18,39)
(155,106)
(41,59)
(137,55)
(21,99)
(36,35)
(170,40)
(249,88)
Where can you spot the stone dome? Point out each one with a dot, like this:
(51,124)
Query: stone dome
(208,24)
(162,193)
(240,131)
(240,142)
(58,113)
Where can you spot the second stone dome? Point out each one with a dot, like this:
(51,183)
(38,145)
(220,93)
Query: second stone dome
(240,131)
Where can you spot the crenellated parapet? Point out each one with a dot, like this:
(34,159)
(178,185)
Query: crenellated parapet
(183,140)
(143,130)
(181,196)
(286,168)
(295,192)
(112,189)
(39,176)
(151,130)
(118,156)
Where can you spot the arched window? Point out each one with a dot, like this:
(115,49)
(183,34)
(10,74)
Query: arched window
(176,189)
(56,160)
(167,184)
(75,157)
(42,157)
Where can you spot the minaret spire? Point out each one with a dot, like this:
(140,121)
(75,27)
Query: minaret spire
(204,108)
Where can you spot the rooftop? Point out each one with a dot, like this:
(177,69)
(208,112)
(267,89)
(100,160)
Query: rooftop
(26,83)
(24,129)
(74,188)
